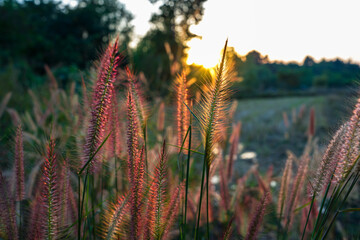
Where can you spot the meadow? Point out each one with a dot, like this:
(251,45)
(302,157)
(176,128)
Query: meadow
(107,162)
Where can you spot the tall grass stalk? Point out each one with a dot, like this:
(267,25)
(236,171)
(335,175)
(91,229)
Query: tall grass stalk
(285,182)
(7,210)
(326,170)
(211,117)
(101,102)
(182,221)
(257,217)
(50,194)
(199,206)
(339,162)
(308,215)
(113,219)
(187,178)
(19,174)
(81,198)
(296,189)
(335,202)
(182,122)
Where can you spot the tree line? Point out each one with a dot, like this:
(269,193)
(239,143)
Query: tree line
(70,37)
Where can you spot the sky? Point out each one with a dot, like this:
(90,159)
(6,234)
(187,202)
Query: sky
(285,30)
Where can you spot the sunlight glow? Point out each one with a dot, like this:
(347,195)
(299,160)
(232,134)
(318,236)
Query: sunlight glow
(202,52)
(283,30)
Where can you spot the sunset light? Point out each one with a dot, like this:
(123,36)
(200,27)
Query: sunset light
(201,52)
(283,30)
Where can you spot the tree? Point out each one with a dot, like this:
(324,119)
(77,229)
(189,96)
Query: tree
(47,32)
(167,41)
(308,61)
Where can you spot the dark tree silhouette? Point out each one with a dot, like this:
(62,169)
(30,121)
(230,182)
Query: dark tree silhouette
(161,53)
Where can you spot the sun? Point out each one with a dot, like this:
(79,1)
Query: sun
(202,53)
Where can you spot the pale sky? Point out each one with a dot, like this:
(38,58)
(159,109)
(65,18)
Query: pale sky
(285,30)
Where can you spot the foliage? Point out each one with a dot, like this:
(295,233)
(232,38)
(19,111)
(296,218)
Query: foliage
(161,52)
(259,76)
(50,32)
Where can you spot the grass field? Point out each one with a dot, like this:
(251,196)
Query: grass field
(264,131)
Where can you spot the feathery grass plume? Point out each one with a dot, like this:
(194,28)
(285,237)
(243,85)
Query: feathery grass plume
(72,208)
(244,212)
(44,220)
(172,211)
(224,190)
(157,197)
(113,219)
(53,83)
(63,188)
(50,193)
(132,137)
(182,113)
(138,98)
(191,208)
(351,144)
(263,187)
(37,109)
(101,101)
(311,130)
(213,107)
(15,117)
(257,218)
(213,102)
(285,182)
(161,117)
(240,187)
(232,110)
(296,191)
(113,144)
(329,161)
(135,166)
(233,149)
(19,165)
(228,230)
(211,115)
(4,103)
(68,209)
(8,228)
(36,222)
(136,198)
(117,129)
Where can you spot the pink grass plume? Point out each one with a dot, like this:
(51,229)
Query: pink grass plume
(350,149)
(233,149)
(257,218)
(285,183)
(182,113)
(311,130)
(8,228)
(101,102)
(329,161)
(296,190)
(19,165)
